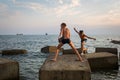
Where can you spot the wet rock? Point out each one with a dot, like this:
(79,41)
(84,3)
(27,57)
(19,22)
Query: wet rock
(50,49)
(14,52)
(9,69)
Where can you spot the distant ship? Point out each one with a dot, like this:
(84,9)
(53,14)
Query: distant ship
(19,34)
(46,34)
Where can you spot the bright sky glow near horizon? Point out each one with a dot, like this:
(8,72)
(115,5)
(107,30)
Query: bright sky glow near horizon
(45,16)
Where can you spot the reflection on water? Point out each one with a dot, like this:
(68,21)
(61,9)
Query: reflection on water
(31,62)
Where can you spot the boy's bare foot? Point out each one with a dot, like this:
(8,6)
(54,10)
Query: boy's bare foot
(79,60)
(53,60)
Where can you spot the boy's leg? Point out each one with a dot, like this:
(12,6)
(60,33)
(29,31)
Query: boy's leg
(57,51)
(85,50)
(76,51)
(82,46)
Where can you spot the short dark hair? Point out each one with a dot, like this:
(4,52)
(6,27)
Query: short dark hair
(63,24)
(81,31)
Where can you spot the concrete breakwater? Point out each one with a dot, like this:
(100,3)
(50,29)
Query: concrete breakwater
(50,49)
(102,61)
(103,58)
(66,68)
(13,52)
(115,41)
(9,69)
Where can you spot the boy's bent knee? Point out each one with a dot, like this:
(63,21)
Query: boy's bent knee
(58,47)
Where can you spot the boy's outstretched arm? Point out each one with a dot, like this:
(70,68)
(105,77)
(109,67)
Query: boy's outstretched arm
(60,34)
(76,30)
(90,37)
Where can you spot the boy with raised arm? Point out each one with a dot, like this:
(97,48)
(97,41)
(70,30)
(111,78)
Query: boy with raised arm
(83,38)
(64,38)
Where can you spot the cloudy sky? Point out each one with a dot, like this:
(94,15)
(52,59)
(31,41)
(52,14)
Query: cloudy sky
(41,16)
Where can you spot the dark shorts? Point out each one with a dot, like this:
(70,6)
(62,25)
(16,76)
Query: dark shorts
(84,40)
(65,41)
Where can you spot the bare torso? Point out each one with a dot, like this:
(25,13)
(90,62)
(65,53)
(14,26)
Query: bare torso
(66,33)
(82,36)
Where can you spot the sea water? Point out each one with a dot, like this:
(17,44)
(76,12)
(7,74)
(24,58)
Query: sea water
(30,63)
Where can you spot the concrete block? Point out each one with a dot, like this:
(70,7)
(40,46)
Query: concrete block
(65,68)
(115,41)
(14,52)
(50,49)
(110,50)
(9,69)
(70,51)
(102,61)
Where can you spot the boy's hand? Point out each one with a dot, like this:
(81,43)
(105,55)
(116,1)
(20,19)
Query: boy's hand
(94,39)
(74,28)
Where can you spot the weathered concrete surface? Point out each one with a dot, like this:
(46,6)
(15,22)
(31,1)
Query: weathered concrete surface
(9,69)
(66,68)
(70,51)
(110,50)
(102,60)
(14,52)
(50,49)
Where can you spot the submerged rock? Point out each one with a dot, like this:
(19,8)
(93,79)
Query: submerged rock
(115,41)
(9,69)
(13,52)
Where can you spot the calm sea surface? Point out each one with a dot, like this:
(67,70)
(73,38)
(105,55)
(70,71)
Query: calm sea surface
(30,63)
